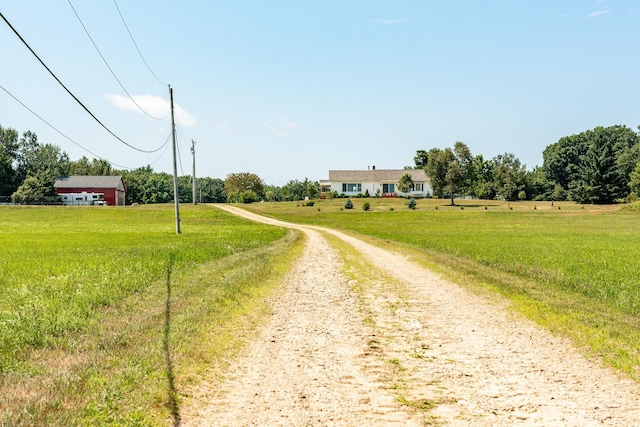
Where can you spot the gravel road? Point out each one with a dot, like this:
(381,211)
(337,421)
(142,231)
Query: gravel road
(407,348)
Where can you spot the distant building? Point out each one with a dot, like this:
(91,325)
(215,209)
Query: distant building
(354,182)
(85,190)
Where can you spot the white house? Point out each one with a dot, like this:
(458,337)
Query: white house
(354,182)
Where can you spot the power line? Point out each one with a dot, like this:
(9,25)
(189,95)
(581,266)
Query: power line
(61,133)
(71,94)
(109,67)
(136,45)
(166,145)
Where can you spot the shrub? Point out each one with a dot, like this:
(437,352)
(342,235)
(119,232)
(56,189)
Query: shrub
(349,204)
(366,206)
(366,193)
(309,203)
(411,204)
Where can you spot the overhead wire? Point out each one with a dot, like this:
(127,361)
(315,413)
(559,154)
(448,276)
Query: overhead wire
(71,93)
(109,67)
(60,132)
(136,45)
(166,145)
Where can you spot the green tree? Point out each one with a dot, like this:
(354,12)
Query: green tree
(599,180)
(35,190)
(405,184)
(482,183)
(211,190)
(95,167)
(421,159)
(594,166)
(538,187)
(239,183)
(509,176)
(294,190)
(312,188)
(7,173)
(8,155)
(436,169)
(450,170)
(348,204)
(146,186)
(273,193)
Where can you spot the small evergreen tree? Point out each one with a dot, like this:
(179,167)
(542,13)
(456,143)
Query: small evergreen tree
(349,204)
(411,204)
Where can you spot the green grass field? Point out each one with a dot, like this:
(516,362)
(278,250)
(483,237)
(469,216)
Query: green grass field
(106,314)
(572,268)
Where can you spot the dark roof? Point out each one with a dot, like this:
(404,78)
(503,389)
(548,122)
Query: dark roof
(79,181)
(376,175)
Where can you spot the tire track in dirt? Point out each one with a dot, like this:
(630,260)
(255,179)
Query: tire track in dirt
(310,364)
(460,359)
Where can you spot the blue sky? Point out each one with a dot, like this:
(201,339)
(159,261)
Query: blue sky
(291,89)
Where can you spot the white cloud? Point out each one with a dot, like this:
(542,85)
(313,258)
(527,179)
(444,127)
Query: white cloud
(598,13)
(282,127)
(155,106)
(389,21)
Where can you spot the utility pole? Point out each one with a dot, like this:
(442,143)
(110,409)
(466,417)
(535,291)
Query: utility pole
(176,198)
(193,151)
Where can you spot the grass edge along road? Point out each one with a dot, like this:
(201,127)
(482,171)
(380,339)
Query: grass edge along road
(568,267)
(131,359)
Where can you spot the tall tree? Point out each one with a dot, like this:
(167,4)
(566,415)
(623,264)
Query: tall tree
(238,184)
(211,189)
(634,182)
(421,159)
(599,179)
(450,170)
(593,166)
(483,185)
(8,176)
(8,155)
(509,176)
(95,167)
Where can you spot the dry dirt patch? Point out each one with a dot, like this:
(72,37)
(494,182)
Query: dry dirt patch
(428,353)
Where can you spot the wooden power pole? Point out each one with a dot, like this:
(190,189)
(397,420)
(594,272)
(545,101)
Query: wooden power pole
(176,198)
(193,152)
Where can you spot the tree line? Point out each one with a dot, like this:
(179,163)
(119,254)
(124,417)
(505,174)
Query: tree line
(29,169)
(596,166)
(601,165)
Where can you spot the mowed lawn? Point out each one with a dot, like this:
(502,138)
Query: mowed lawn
(572,268)
(106,315)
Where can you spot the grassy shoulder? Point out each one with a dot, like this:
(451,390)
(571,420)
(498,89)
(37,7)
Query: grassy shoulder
(144,328)
(570,268)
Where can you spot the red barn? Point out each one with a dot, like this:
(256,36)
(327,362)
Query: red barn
(112,187)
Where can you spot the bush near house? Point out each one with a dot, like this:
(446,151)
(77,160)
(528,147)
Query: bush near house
(349,204)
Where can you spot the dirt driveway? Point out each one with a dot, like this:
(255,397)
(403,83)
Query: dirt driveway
(406,348)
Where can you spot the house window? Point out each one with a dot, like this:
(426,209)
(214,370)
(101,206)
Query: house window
(351,187)
(388,188)
(417,186)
